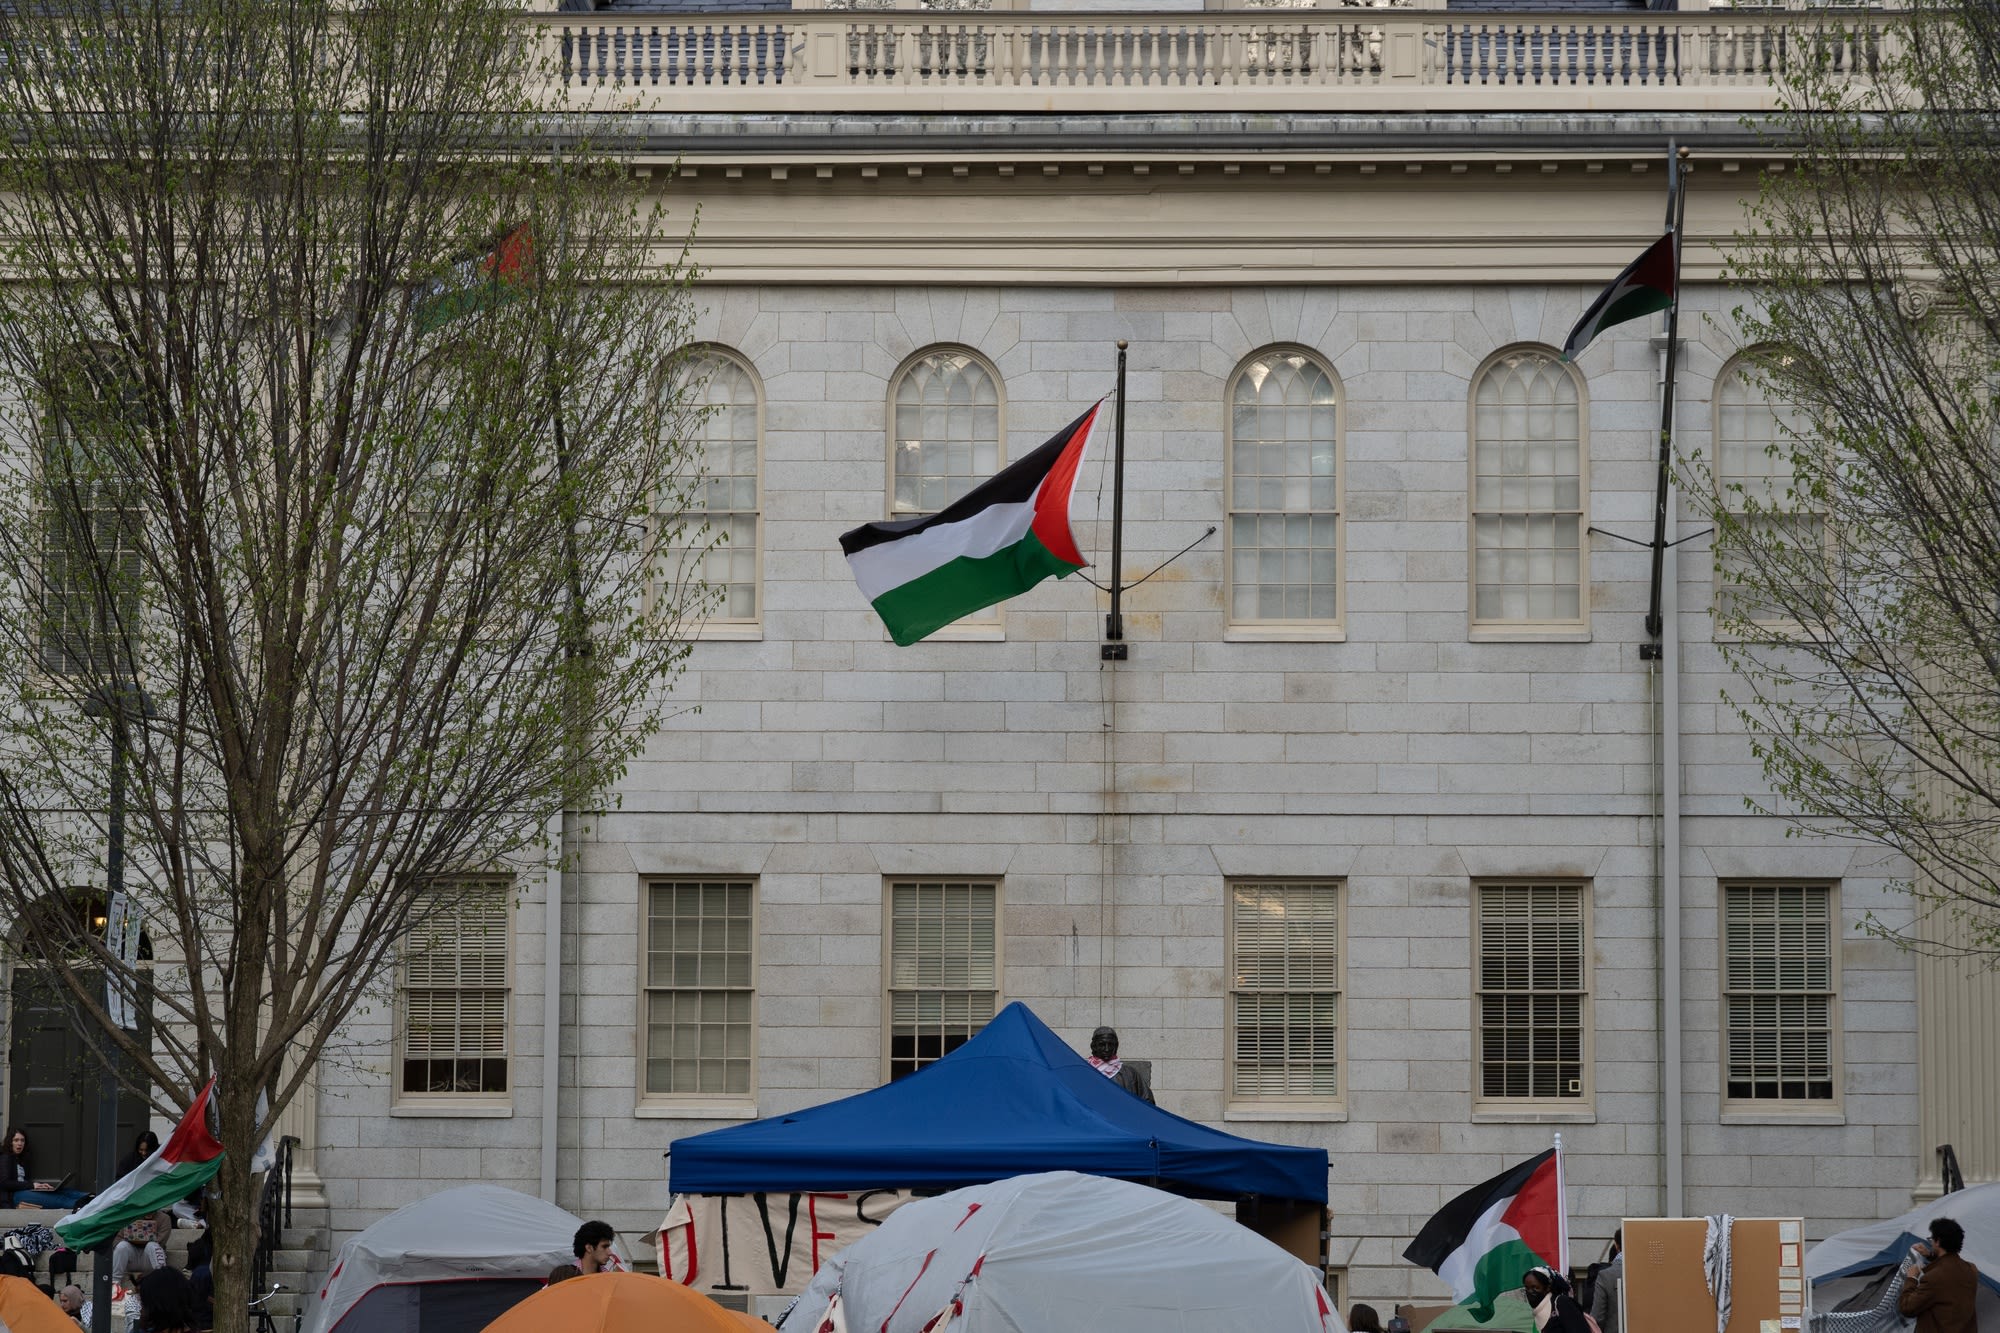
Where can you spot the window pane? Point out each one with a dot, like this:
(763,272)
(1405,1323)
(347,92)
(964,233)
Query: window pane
(1777,976)
(1281,491)
(454,996)
(1527,496)
(1284,968)
(1533,984)
(1756,438)
(699,987)
(718,544)
(943,968)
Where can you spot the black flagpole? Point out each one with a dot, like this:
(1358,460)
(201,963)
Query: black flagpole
(1114,623)
(1676,211)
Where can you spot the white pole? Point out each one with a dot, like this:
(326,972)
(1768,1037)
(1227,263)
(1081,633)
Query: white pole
(552,1006)
(1562,1212)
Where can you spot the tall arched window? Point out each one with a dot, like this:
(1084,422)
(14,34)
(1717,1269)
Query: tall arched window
(91,517)
(1527,494)
(946,428)
(730,438)
(1284,492)
(1755,438)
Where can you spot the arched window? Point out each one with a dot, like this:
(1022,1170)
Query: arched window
(1766,522)
(1284,492)
(1527,494)
(730,439)
(945,421)
(946,428)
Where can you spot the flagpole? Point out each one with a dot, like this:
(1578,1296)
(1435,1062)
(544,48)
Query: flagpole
(1114,623)
(1562,1212)
(1676,209)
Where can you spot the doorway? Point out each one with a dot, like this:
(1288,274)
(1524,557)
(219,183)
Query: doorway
(53,1081)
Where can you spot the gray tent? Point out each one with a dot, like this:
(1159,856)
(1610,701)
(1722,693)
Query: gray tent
(451,1263)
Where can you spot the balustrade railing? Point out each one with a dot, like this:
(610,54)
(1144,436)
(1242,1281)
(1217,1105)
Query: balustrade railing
(850,59)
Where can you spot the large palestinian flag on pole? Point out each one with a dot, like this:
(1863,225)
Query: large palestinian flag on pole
(1648,283)
(1484,1240)
(185,1162)
(1000,539)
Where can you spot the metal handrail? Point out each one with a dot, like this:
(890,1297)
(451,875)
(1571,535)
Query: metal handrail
(274,1213)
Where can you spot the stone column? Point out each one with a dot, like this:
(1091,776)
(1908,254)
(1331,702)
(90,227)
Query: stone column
(301,1121)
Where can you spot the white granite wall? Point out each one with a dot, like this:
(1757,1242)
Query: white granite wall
(1406,760)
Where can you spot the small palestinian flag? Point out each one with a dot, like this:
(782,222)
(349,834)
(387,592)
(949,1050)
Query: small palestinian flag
(1484,1240)
(1648,283)
(479,282)
(186,1162)
(1000,539)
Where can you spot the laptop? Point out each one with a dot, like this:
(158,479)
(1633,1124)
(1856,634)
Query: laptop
(51,1186)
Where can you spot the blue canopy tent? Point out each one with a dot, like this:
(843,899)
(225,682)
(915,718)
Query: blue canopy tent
(1013,1100)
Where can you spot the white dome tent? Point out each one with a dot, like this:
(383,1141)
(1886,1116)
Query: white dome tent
(450,1263)
(1061,1250)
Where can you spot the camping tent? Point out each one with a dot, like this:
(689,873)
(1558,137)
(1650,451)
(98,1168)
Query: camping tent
(1014,1099)
(1063,1250)
(1847,1263)
(450,1263)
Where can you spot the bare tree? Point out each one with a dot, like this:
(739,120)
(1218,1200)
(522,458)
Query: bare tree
(338,451)
(1860,545)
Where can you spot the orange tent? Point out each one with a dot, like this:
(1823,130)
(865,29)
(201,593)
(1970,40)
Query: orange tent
(25,1309)
(621,1303)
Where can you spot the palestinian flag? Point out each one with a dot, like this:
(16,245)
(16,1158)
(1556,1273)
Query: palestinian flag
(1482,1241)
(1000,539)
(1648,283)
(479,282)
(186,1162)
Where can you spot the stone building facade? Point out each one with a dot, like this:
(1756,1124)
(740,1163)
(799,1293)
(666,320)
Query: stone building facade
(1360,845)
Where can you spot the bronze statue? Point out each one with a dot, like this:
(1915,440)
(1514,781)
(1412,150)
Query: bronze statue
(1104,1055)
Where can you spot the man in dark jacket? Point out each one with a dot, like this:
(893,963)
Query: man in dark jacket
(1942,1292)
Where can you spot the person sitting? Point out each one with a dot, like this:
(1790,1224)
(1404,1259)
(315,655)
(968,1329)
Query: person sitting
(562,1273)
(140,1249)
(143,1147)
(166,1303)
(1363,1319)
(18,1183)
(592,1247)
(1556,1310)
(70,1301)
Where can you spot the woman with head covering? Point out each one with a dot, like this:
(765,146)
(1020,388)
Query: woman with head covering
(1556,1310)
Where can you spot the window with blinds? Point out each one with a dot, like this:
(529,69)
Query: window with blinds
(91,516)
(1534,993)
(1778,984)
(1284,990)
(944,968)
(454,991)
(700,988)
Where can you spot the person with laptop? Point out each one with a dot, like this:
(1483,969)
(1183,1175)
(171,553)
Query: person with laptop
(20,1187)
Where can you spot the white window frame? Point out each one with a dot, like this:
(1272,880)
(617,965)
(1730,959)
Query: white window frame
(1737,371)
(1750,1108)
(504,887)
(694,1099)
(986,626)
(718,626)
(1246,1105)
(890,986)
(1582,1104)
(1256,629)
(1555,630)
(52,435)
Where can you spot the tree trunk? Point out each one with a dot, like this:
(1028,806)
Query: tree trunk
(232,1209)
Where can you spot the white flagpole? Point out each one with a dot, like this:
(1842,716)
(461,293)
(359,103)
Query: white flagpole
(1562,1213)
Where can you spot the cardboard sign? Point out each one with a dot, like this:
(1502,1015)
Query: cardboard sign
(764,1244)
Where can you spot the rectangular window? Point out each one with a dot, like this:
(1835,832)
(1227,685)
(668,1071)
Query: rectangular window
(1778,980)
(944,968)
(1534,993)
(1284,990)
(700,988)
(90,565)
(454,991)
